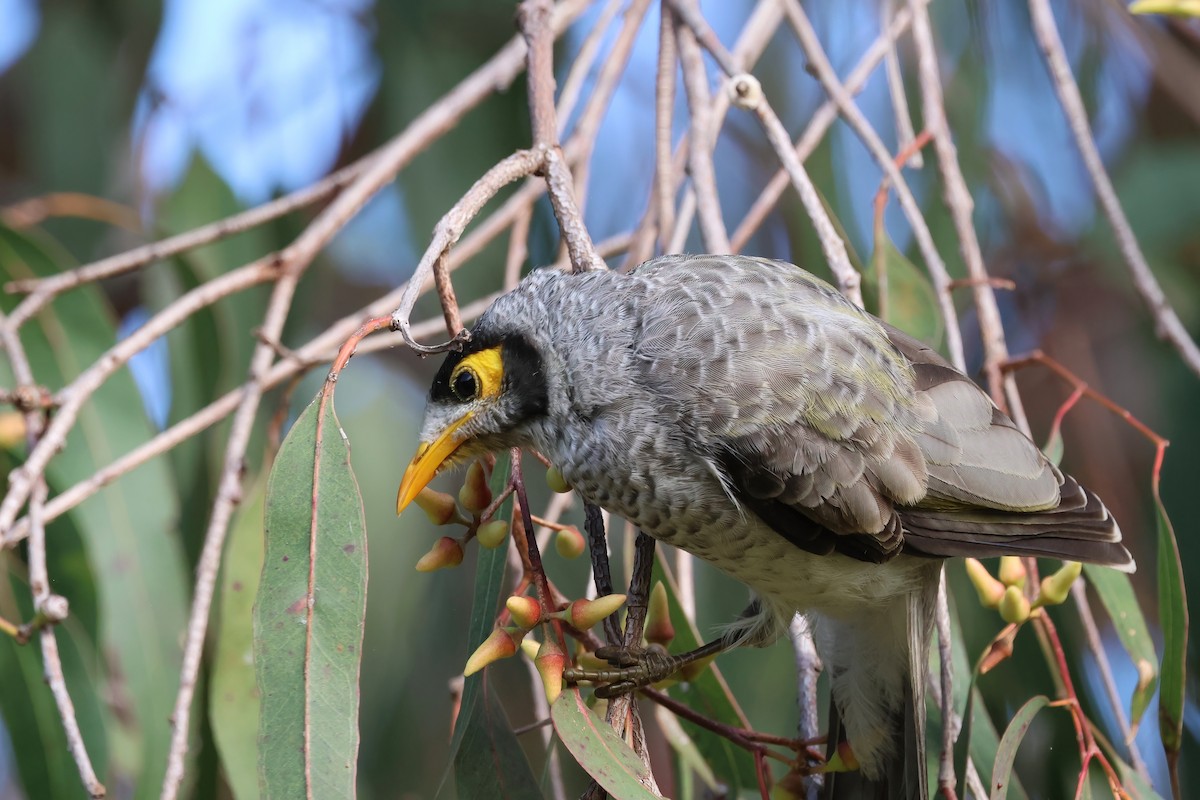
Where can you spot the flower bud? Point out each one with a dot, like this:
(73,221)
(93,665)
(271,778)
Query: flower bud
(659,629)
(492,534)
(438,506)
(842,760)
(526,611)
(12,429)
(556,481)
(530,647)
(989,589)
(569,543)
(475,494)
(1056,587)
(1012,571)
(550,662)
(502,643)
(1014,606)
(590,661)
(689,672)
(583,614)
(445,554)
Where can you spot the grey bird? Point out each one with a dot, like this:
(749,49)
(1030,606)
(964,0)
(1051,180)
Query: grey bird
(745,411)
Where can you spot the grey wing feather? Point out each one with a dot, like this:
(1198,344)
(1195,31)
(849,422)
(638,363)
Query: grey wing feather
(991,491)
(839,441)
(793,392)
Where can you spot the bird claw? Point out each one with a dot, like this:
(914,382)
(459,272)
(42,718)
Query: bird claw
(633,668)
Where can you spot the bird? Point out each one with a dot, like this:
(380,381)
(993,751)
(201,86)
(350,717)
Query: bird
(744,410)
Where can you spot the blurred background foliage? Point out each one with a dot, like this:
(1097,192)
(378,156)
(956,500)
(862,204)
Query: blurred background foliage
(186,111)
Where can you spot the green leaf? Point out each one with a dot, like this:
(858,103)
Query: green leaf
(195,359)
(233,695)
(1173,617)
(685,748)
(979,738)
(1116,593)
(485,757)
(1178,8)
(30,714)
(1006,753)
(707,694)
(128,528)
(308,618)
(602,754)
(902,294)
(489,762)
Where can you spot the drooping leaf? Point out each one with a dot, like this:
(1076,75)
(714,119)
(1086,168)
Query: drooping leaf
(602,754)
(902,294)
(1173,618)
(233,695)
(707,694)
(308,618)
(1116,593)
(1006,753)
(129,527)
(978,740)
(486,759)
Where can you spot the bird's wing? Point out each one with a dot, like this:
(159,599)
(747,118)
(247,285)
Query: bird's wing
(991,490)
(845,434)
(792,392)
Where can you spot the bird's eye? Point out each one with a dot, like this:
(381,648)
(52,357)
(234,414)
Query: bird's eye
(465,385)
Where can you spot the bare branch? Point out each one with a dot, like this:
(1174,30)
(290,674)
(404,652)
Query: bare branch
(958,200)
(819,62)
(703,139)
(39,578)
(821,120)
(1166,321)
(533,18)
(749,95)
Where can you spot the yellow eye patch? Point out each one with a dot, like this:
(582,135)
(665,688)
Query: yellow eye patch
(488,368)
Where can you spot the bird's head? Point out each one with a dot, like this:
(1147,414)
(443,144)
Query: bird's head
(483,399)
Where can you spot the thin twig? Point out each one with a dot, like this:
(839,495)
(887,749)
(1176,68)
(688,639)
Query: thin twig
(494,75)
(581,67)
(703,137)
(1084,607)
(819,62)
(895,81)
(72,398)
(39,578)
(958,201)
(951,723)
(450,227)
(605,88)
(818,125)
(1166,321)
(533,18)
(664,115)
(808,669)
(749,95)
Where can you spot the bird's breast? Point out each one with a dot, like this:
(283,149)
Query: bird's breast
(681,502)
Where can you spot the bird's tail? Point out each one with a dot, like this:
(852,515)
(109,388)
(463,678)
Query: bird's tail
(905,773)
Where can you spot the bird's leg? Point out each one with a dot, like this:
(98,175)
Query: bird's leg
(638,667)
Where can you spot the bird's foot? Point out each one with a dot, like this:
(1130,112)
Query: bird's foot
(632,669)
(636,667)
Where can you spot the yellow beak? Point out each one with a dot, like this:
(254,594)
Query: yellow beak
(425,464)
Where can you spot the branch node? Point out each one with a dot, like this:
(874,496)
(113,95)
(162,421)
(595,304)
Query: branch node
(745,91)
